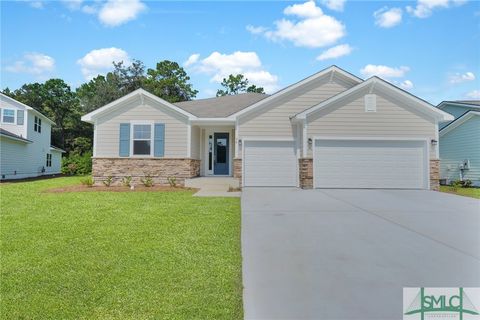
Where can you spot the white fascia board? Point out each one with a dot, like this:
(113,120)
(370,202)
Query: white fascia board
(333,69)
(213,121)
(380,84)
(26,107)
(443,104)
(458,122)
(90,117)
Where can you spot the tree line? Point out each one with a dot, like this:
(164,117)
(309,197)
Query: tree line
(55,98)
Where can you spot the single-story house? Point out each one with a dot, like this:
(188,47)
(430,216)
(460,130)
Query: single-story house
(25,136)
(460,142)
(330,130)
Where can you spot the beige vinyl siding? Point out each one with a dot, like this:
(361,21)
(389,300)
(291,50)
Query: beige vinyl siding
(390,120)
(275,120)
(108,127)
(195,142)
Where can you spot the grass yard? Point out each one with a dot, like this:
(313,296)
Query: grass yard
(467,192)
(118,255)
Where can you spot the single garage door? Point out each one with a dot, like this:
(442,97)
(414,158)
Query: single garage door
(370,164)
(270,164)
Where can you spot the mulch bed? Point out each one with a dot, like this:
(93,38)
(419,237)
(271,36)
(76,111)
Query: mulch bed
(83,188)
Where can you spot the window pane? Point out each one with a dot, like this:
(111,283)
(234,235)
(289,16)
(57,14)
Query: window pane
(8,115)
(141,131)
(141,147)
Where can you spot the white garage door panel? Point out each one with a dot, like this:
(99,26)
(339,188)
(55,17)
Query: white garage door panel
(370,164)
(270,163)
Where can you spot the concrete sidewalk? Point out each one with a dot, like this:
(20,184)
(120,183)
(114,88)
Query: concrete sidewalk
(213,186)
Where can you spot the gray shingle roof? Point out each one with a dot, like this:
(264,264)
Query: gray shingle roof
(8,134)
(220,107)
(474,102)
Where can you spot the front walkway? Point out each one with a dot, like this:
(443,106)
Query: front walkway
(214,186)
(348,254)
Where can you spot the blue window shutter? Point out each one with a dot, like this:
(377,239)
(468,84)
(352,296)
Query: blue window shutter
(159,137)
(124,148)
(20,117)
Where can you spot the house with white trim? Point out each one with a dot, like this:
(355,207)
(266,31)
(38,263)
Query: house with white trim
(460,142)
(25,142)
(330,130)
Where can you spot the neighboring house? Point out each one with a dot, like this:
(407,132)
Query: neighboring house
(25,135)
(330,130)
(460,142)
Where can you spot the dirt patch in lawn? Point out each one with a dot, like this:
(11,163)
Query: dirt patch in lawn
(82,188)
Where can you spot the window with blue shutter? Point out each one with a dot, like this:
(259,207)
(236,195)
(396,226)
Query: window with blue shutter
(20,117)
(124,148)
(159,140)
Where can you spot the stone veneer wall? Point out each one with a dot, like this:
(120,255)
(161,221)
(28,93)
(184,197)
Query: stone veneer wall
(237,170)
(305,166)
(137,168)
(435,175)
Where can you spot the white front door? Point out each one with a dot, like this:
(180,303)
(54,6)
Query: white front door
(270,164)
(370,164)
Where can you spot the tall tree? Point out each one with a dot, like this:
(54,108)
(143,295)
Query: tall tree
(169,81)
(236,84)
(61,103)
(99,91)
(131,77)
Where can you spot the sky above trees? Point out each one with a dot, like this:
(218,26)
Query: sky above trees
(429,48)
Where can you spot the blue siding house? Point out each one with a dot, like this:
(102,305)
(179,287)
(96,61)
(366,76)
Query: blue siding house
(460,142)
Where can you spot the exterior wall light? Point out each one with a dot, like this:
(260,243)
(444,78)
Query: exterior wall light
(434,142)
(239,142)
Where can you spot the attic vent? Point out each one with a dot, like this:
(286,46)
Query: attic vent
(370,103)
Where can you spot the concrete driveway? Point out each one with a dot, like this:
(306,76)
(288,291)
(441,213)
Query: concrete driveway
(347,254)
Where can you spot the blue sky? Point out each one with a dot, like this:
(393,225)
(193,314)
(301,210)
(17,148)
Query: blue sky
(428,47)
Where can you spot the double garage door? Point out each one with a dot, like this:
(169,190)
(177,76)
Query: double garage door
(339,164)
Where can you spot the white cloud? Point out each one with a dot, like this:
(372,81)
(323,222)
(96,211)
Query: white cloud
(219,65)
(73,4)
(101,61)
(424,8)
(36,4)
(191,60)
(384,71)
(312,28)
(387,18)
(304,10)
(117,12)
(335,52)
(256,30)
(336,5)
(475,94)
(459,78)
(406,85)
(33,63)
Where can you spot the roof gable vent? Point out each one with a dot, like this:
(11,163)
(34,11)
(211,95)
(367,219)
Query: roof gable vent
(370,103)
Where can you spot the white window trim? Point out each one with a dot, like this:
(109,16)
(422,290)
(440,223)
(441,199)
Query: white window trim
(14,116)
(38,124)
(145,122)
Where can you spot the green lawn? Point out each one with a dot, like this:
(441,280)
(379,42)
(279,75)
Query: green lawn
(118,255)
(467,192)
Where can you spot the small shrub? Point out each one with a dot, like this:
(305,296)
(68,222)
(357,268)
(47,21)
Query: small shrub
(108,182)
(147,181)
(467,183)
(127,181)
(89,182)
(77,164)
(172,181)
(234,189)
(456,184)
